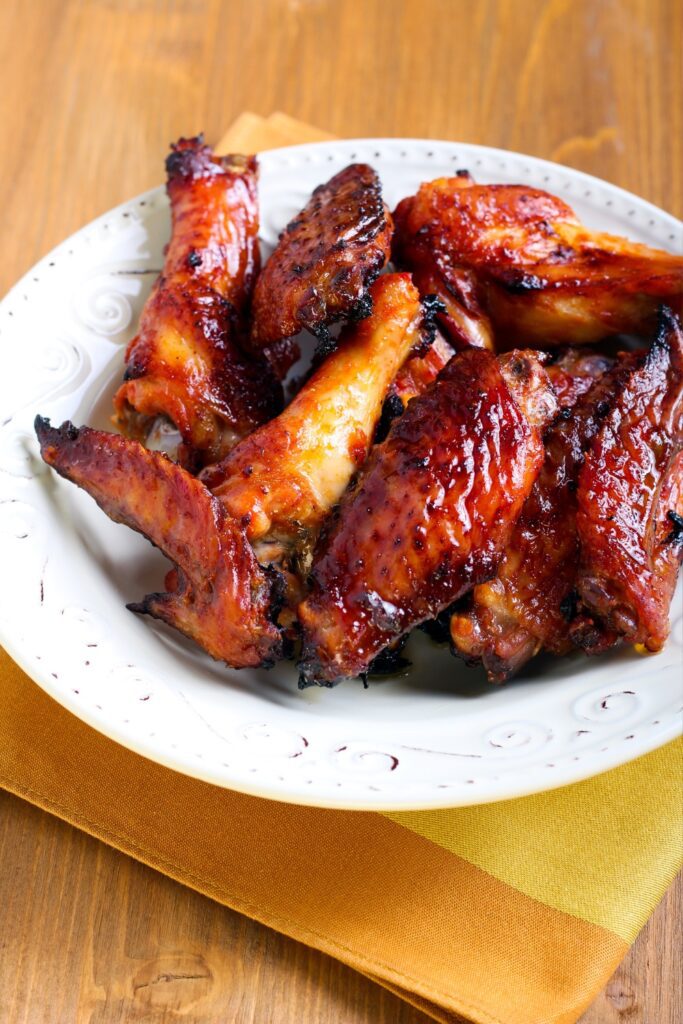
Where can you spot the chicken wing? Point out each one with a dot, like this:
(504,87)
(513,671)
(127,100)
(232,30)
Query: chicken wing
(431,514)
(185,368)
(530,603)
(323,264)
(218,595)
(630,505)
(517,259)
(282,480)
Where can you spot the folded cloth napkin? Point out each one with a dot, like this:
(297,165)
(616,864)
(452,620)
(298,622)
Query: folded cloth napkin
(509,913)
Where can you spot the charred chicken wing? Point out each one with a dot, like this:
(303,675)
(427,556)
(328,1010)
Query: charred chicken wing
(530,603)
(517,259)
(323,264)
(630,504)
(218,594)
(185,369)
(431,514)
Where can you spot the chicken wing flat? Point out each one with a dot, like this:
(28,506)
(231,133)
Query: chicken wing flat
(323,264)
(630,504)
(282,480)
(517,259)
(185,368)
(218,595)
(431,514)
(530,603)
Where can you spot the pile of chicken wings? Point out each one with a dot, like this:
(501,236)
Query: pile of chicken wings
(478,450)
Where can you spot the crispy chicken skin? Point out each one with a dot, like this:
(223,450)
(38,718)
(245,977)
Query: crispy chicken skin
(282,480)
(218,595)
(323,264)
(530,603)
(431,513)
(517,259)
(185,365)
(574,371)
(421,369)
(630,504)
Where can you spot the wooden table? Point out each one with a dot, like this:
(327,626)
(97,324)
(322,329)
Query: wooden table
(92,93)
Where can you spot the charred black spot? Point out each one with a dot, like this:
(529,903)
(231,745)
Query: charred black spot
(519,283)
(676,534)
(667,321)
(390,660)
(278,592)
(462,172)
(432,306)
(602,408)
(194,258)
(134,371)
(569,605)
(293,225)
(325,344)
(361,309)
(392,408)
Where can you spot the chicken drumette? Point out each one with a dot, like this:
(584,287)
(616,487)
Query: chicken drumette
(186,372)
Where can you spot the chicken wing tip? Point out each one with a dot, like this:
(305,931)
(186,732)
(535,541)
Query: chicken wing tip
(48,435)
(192,158)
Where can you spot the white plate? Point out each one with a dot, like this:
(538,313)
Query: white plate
(440,736)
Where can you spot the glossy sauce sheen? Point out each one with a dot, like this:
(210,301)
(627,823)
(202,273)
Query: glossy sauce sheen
(630,492)
(186,363)
(517,260)
(286,476)
(218,594)
(431,512)
(324,262)
(530,604)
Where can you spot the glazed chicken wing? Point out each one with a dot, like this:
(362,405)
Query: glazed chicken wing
(630,504)
(323,264)
(218,594)
(431,514)
(530,603)
(185,369)
(284,479)
(517,260)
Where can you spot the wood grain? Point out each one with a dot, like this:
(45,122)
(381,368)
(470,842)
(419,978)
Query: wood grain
(92,92)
